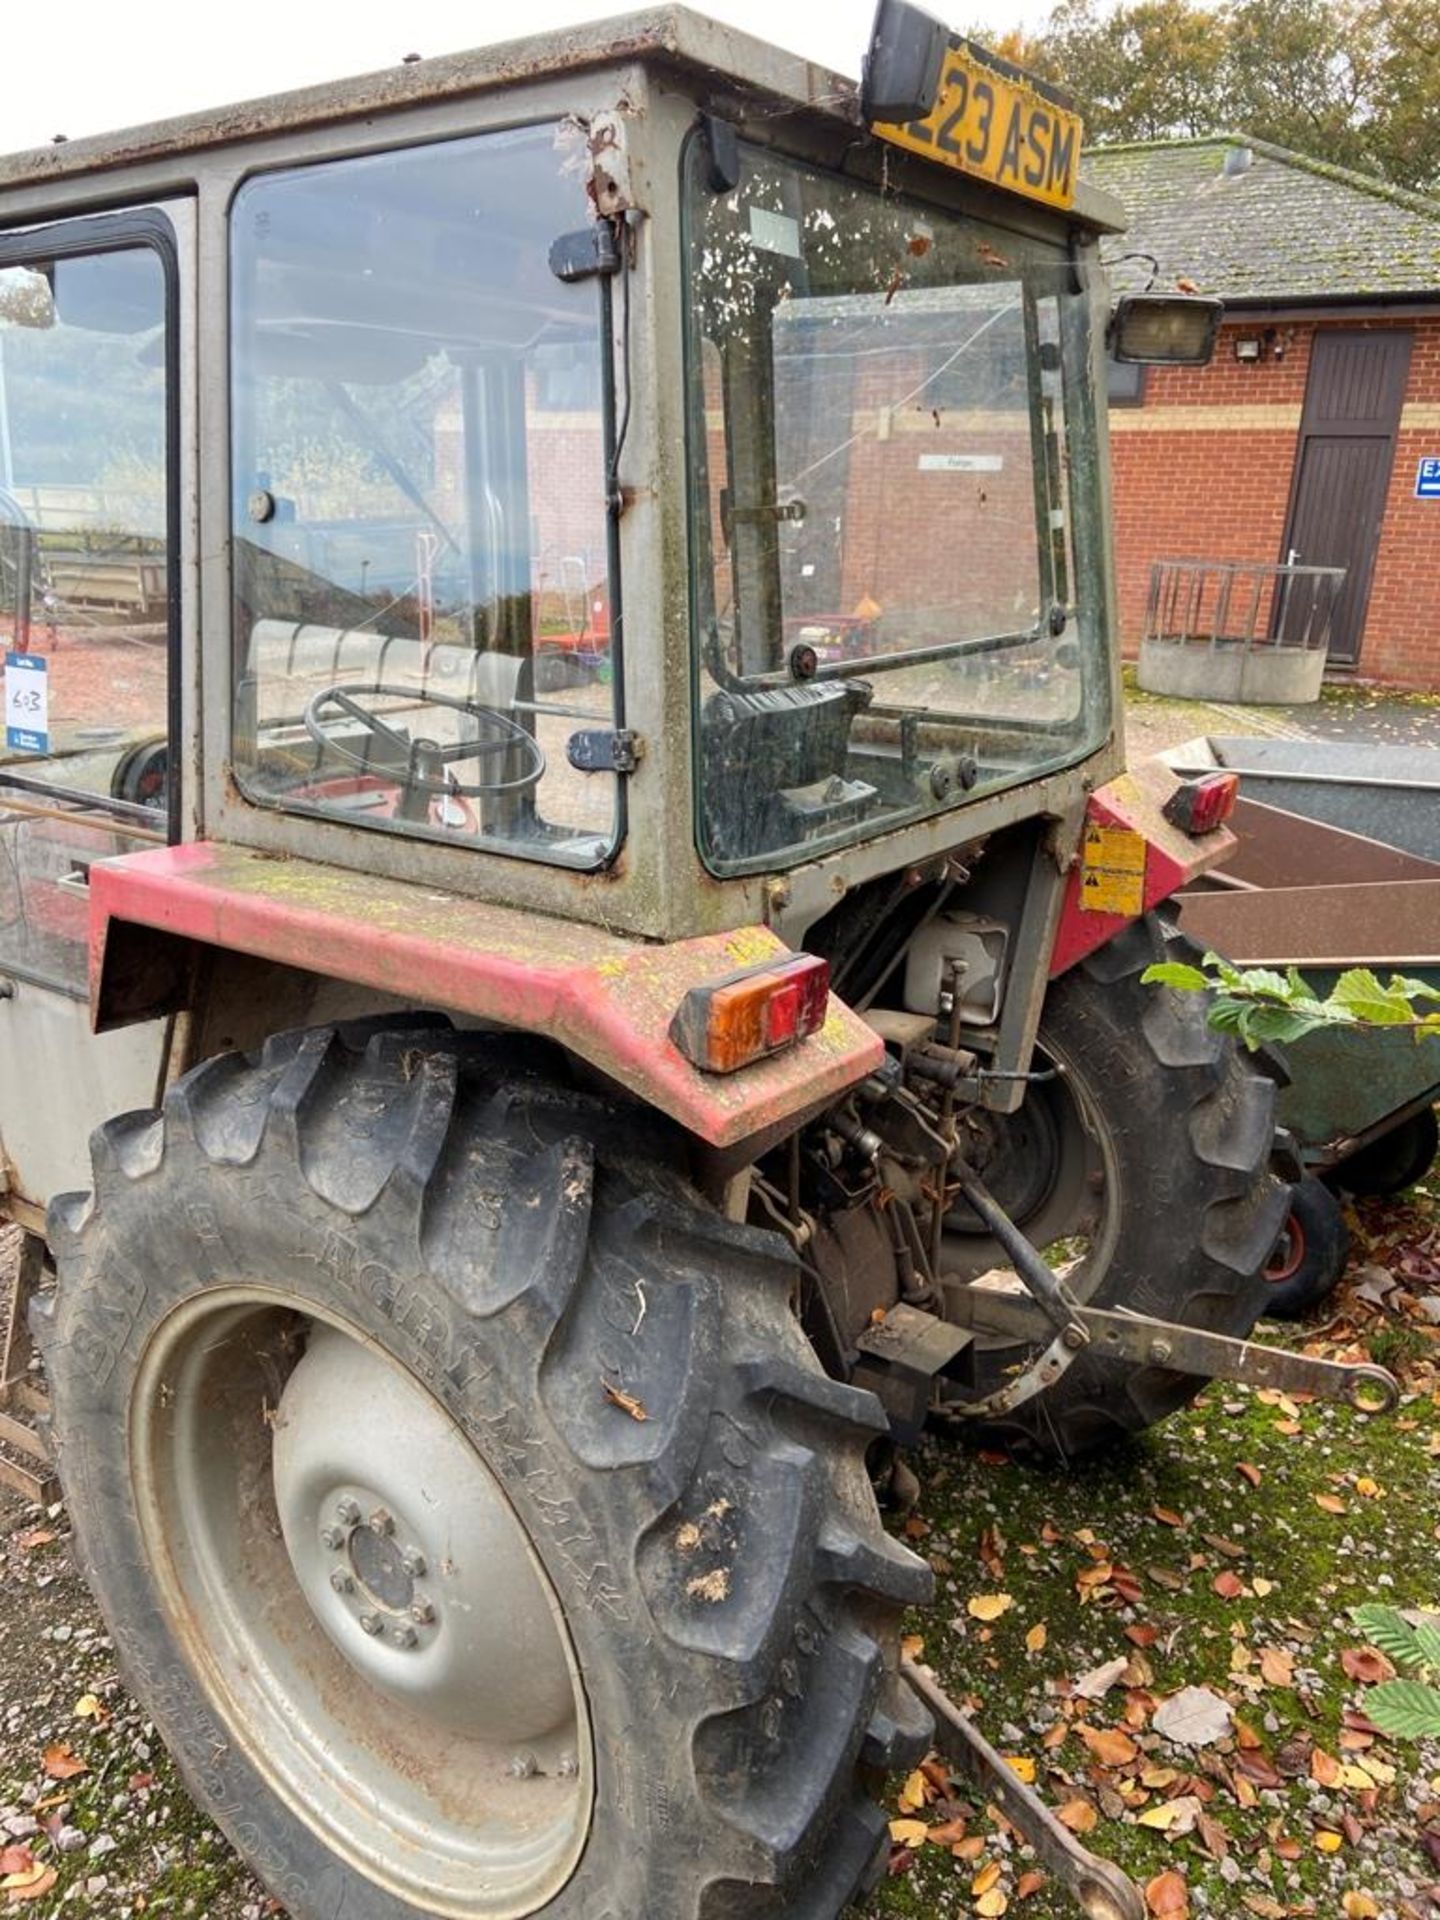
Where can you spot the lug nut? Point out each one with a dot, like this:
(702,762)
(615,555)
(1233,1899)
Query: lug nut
(333,1537)
(341,1582)
(404,1637)
(381,1521)
(369,1623)
(413,1561)
(423,1614)
(347,1511)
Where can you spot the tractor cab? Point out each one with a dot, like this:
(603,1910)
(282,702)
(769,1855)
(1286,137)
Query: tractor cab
(627,470)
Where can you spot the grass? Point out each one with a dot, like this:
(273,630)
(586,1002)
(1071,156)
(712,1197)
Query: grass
(1238,1485)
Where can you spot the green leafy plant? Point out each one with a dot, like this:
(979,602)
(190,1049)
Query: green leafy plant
(1409,1709)
(1259,1003)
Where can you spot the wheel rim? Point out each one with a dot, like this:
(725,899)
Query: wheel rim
(362,1605)
(1075,1221)
(1289,1255)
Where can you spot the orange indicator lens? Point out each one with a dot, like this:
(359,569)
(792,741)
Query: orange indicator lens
(752,1014)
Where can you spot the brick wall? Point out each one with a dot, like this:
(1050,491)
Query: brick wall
(1203,469)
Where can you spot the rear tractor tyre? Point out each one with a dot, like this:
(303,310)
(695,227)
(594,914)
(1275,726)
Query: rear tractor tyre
(1309,1257)
(1163,1132)
(465,1502)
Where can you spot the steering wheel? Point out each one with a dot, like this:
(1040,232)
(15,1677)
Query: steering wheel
(425,764)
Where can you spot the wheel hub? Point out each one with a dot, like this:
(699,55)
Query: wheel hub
(409,1555)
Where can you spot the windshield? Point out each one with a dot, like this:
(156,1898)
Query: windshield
(891,420)
(422,599)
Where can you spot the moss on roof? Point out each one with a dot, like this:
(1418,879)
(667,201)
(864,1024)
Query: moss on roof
(1285,227)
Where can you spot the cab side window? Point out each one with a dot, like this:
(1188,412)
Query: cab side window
(85,587)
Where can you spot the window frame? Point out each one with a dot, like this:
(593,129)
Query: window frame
(1087,559)
(617,376)
(87,235)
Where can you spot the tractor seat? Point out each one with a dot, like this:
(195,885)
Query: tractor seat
(303,658)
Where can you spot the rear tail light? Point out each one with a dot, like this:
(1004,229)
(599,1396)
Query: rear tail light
(753,1013)
(1199,806)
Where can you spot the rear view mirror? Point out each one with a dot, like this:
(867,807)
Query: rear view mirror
(901,75)
(1165,329)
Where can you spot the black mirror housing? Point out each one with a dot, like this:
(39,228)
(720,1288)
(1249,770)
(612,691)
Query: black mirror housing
(900,80)
(1165,329)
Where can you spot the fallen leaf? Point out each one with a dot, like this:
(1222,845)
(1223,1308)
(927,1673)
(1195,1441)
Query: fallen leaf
(1264,1588)
(1249,1472)
(1328,1842)
(1109,1746)
(1168,1517)
(1277,1666)
(908,1833)
(61,1763)
(988,1606)
(1037,1636)
(1228,1585)
(1359,1906)
(1161,1816)
(16,1860)
(34,1889)
(992,1904)
(948,1834)
(1367,1664)
(1098,1682)
(914,1794)
(912,1645)
(34,1537)
(91,1707)
(1029,1883)
(1329,1503)
(1143,1634)
(1324,1768)
(1078,1815)
(1022,1767)
(1367,1488)
(1259,1768)
(986,1878)
(626,1402)
(1194,1717)
(1217,1841)
(1167,1896)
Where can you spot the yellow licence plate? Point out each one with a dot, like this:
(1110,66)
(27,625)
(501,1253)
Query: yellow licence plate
(989,123)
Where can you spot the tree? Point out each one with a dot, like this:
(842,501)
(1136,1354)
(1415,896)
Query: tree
(1353,82)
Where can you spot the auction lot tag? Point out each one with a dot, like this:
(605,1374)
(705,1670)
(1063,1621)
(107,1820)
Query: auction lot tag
(27,703)
(1112,870)
(991,120)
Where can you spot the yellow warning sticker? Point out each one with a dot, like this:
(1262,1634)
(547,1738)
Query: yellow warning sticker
(1112,871)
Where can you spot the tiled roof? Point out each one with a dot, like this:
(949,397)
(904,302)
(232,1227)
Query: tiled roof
(1282,227)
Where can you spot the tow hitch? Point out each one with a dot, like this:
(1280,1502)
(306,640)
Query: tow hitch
(1102,1891)
(901,1358)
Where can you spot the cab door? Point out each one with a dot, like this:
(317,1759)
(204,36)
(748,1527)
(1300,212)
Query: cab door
(90,630)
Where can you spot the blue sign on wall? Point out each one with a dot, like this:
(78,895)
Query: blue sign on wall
(1427,478)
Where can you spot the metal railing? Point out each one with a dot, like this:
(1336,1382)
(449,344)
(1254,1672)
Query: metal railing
(1242,603)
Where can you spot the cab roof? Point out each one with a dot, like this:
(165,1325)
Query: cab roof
(674,36)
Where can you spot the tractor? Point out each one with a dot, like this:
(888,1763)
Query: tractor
(573,933)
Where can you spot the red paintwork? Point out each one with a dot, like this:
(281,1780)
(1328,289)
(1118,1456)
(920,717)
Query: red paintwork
(1172,858)
(606,997)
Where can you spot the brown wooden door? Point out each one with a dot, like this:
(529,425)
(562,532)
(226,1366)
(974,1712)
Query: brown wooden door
(1342,468)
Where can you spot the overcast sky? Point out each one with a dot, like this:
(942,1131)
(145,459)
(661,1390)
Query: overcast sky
(86,66)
